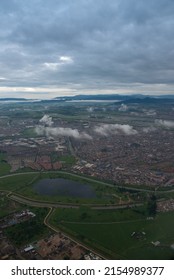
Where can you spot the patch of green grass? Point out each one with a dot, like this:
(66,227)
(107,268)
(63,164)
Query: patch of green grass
(69,159)
(2,157)
(4,168)
(115,239)
(85,214)
(12,183)
(29,133)
(24,170)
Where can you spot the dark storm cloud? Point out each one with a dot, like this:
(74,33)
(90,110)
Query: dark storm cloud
(86,44)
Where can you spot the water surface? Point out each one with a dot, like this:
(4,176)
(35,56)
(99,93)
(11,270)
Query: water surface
(64,187)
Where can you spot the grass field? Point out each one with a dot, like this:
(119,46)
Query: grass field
(85,214)
(4,166)
(110,232)
(23,183)
(29,133)
(13,183)
(68,160)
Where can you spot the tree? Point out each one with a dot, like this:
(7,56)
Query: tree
(152,205)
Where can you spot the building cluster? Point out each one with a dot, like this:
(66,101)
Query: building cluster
(16,218)
(35,153)
(165,205)
(56,246)
(142,158)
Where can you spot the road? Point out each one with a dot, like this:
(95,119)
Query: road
(46,222)
(88,179)
(54,205)
(36,203)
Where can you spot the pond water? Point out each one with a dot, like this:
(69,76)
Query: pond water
(64,187)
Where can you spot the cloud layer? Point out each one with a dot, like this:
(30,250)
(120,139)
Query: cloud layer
(123,108)
(46,120)
(46,129)
(164,123)
(61,131)
(67,47)
(107,129)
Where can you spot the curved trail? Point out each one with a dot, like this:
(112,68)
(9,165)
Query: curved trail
(46,222)
(53,205)
(88,179)
(37,203)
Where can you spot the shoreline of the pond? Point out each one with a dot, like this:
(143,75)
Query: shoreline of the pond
(64,187)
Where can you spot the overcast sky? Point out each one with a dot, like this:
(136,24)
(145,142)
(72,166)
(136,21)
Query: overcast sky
(50,48)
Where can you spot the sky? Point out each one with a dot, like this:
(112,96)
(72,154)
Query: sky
(51,48)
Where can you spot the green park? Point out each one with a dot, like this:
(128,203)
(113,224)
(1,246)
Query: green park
(117,223)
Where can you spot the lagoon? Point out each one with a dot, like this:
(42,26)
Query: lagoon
(64,187)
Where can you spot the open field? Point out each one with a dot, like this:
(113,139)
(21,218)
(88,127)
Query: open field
(112,234)
(22,184)
(108,231)
(15,182)
(4,166)
(87,215)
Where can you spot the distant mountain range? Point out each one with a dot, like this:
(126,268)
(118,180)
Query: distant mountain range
(18,100)
(13,99)
(134,98)
(114,97)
